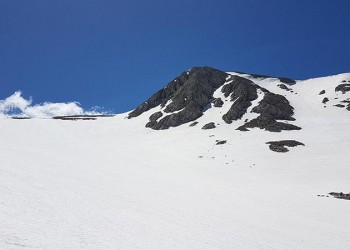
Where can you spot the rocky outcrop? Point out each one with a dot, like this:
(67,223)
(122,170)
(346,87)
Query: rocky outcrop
(325,100)
(79,117)
(217,102)
(209,125)
(242,92)
(345,87)
(268,123)
(276,106)
(271,108)
(287,80)
(340,195)
(218,142)
(322,92)
(187,95)
(281,146)
(284,87)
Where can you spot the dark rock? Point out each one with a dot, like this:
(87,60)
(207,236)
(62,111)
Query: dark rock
(209,125)
(268,123)
(280,146)
(259,76)
(80,117)
(150,124)
(325,100)
(340,195)
(322,92)
(343,88)
(191,92)
(155,116)
(221,142)
(287,80)
(343,81)
(193,124)
(271,108)
(284,87)
(20,117)
(189,95)
(242,128)
(340,105)
(276,106)
(242,91)
(218,102)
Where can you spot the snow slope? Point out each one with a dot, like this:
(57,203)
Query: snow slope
(111,183)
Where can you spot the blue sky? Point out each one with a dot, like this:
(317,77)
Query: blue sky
(115,54)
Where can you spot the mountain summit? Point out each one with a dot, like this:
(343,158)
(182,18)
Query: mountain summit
(261,101)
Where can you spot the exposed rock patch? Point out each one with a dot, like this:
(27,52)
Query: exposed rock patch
(343,88)
(242,91)
(284,87)
(218,142)
(271,108)
(209,125)
(20,117)
(276,106)
(347,101)
(155,116)
(187,97)
(287,80)
(281,146)
(268,123)
(340,195)
(325,100)
(193,124)
(80,117)
(322,92)
(190,93)
(218,102)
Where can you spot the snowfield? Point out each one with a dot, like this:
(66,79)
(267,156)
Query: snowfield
(111,183)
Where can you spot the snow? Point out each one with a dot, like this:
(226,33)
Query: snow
(111,183)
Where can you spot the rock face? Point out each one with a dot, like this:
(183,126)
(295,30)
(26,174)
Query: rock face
(271,108)
(345,87)
(189,93)
(188,96)
(242,91)
(281,146)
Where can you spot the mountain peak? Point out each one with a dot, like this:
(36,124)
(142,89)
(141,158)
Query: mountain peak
(192,93)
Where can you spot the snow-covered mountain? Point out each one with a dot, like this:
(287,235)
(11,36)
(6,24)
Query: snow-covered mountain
(214,160)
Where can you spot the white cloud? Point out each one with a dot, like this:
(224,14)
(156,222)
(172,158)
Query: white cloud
(19,106)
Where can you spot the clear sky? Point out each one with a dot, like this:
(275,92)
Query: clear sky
(115,53)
